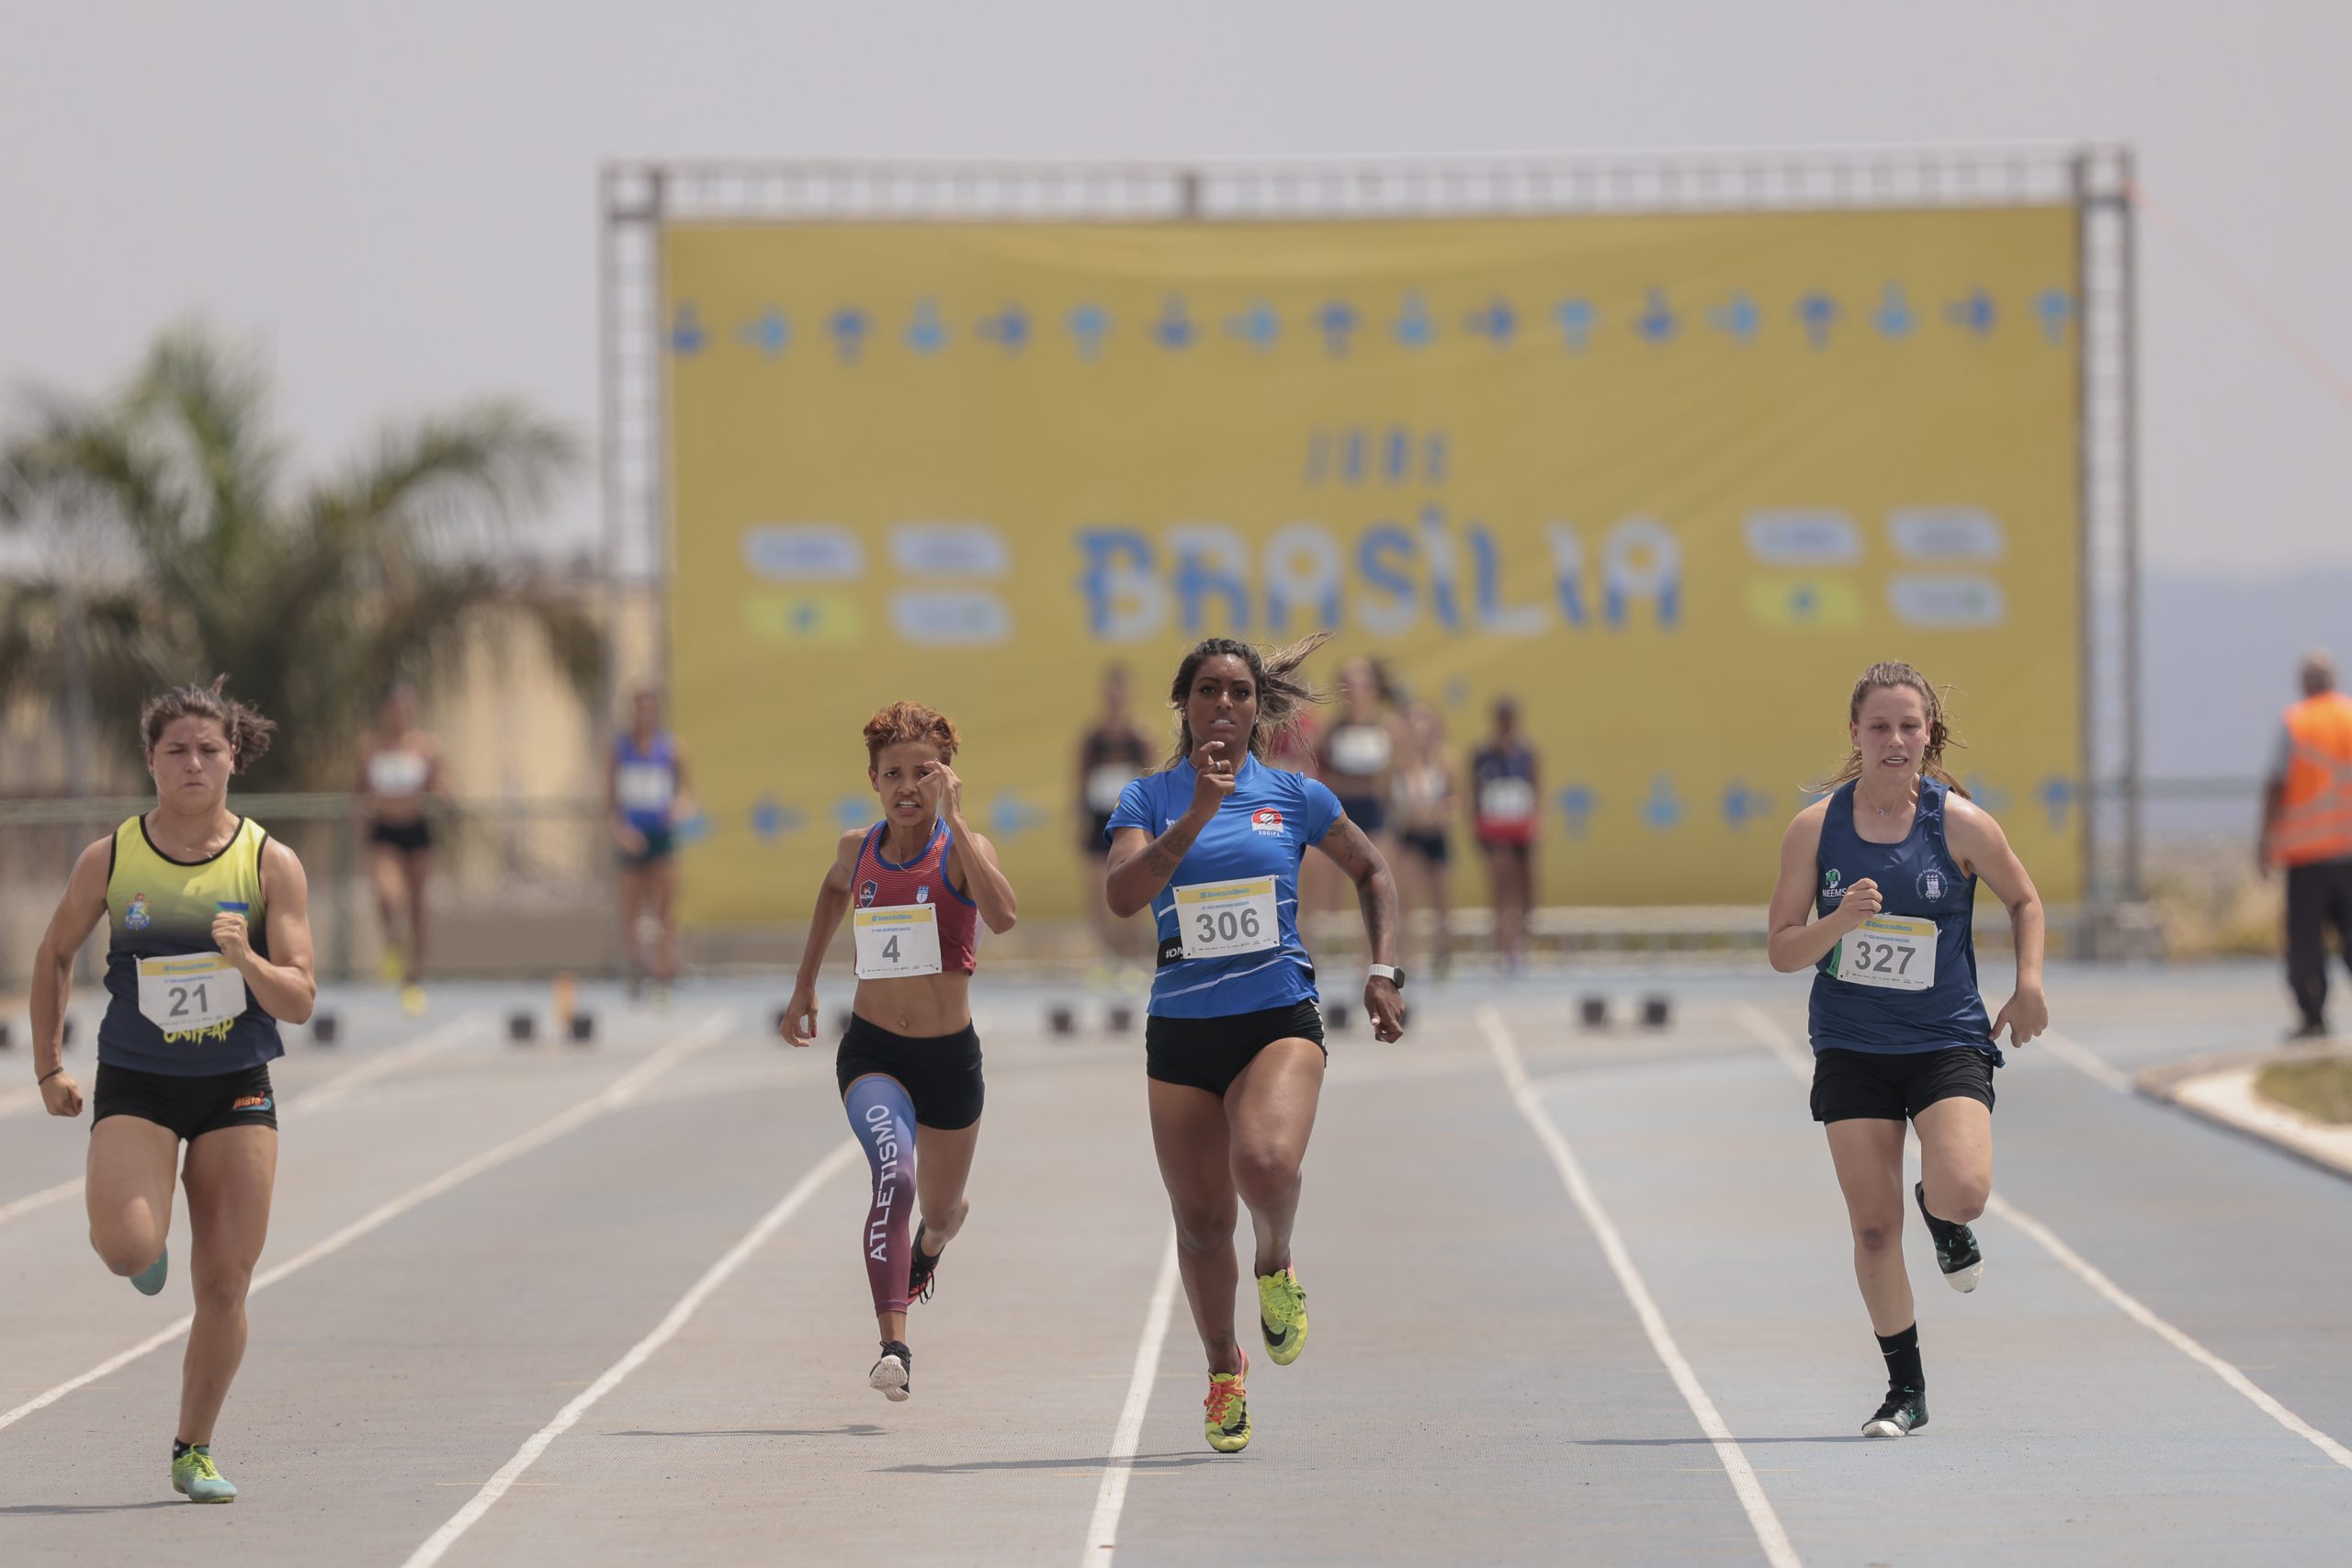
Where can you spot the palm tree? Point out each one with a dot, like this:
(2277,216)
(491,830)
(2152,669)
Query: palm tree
(171,544)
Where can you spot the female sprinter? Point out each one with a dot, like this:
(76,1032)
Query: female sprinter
(400,770)
(209,951)
(645,793)
(1234,1046)
(1890,859)
(910,1066)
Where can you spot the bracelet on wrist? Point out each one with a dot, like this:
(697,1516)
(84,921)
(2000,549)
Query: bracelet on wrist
(49,1074)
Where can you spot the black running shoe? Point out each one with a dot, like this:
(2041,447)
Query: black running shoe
(1956,1252)
(1905,1411)
(893,1372)
(919,1271)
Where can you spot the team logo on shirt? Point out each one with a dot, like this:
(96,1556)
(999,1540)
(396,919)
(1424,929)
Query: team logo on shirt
(1266,820)
(866,894)
(1830,892)
(1931,886)
(923,893)
(136,917)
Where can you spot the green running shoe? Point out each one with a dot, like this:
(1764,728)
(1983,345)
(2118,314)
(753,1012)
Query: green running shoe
(195,1477)
(1228,1407)
(1282,1316)
(150,1279)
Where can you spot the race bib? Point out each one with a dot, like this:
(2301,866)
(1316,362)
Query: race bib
(1507,800)
(896,940)
(1894,953)
(645,786)
(190,993)
(1104,785)
(1360,750)
(1218,918)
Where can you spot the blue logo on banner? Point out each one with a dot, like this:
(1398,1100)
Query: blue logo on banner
(1819,313)
(769,332)
(1089,324)
(1991,796)
(1008,328)
(2055,307)
(2057,795)
(1010,816)
(1414,328)
(1337,321)
(1496,321)
(1576,319)
(1656,323)
(1893,318)
(686,336)
(1578,804)
(1175,328)
(1662,810)
(1737,318)
(1258,326)
(849,326)
(1743,805)
(852,811)
(771,819)
(927,334)
(1974,314)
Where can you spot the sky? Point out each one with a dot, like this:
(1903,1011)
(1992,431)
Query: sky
(398,205)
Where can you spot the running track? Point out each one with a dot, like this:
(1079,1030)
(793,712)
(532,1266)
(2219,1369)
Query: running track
(1576,1298)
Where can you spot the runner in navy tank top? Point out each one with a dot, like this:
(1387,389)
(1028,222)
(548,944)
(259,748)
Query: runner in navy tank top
(1877,885)
(916,884)
(1233,1049)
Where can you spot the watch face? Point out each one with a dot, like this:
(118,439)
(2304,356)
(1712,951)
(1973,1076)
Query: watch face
(1397,978)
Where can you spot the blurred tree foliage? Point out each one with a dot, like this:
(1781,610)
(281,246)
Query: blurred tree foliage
(165,542)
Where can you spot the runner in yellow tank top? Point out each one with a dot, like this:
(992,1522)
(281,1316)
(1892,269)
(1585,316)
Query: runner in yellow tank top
(209,951)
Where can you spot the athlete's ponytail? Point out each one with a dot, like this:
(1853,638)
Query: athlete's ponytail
(1881,677)
(1283,695)
(245,729)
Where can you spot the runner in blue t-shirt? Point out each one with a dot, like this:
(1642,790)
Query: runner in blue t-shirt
(1890,860)
(1234,1046)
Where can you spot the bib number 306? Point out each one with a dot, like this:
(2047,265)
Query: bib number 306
(1219,918)
(1892,953)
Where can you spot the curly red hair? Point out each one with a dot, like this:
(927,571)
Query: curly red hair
(903,722)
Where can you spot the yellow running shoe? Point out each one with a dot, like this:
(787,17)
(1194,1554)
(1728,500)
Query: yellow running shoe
(412,1000)
(1228,1408)
(392,965)
(1282,1316)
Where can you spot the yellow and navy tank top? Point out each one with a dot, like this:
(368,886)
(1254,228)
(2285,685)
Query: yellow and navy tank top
(159,907)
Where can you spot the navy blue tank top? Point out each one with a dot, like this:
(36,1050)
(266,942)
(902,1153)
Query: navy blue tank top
(1919,878)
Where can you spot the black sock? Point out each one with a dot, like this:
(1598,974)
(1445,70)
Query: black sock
(1902,1353)
(179,1450)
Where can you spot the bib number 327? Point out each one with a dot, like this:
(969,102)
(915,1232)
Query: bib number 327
(190,993)
(1218,918)
(896,940)
(1894,953)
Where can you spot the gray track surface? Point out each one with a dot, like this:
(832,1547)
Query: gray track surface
(1477,1388)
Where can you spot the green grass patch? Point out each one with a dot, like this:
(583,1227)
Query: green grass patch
(2320,1087)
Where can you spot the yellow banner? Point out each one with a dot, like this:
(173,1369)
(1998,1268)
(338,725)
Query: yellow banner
(1670,481)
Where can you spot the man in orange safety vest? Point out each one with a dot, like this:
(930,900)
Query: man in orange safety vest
(2307,827)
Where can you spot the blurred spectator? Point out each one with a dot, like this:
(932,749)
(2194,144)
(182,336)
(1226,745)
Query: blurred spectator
(2307,827)
(1506,788)
(1425,791)
(1111,755)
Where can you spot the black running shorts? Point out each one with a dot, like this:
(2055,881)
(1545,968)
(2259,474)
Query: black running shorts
(940,1074)
(1897,1086)
(1209,1053)
(190,1107)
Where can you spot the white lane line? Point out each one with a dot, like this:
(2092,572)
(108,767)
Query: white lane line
(2085,1061)
(608,1099)
(1761,1516)
(508,1474)
(1103,1530)
(334,1090)
(1779,1043)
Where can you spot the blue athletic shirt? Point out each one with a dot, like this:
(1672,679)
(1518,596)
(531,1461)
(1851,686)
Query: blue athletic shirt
(1920,878)
(1261,829)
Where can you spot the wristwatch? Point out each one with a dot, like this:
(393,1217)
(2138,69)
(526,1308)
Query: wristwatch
(1390,972)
